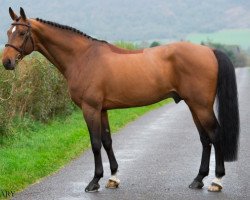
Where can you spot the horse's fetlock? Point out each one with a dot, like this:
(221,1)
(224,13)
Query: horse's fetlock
(203,173)
(220,172)
(98,174)
(114,168)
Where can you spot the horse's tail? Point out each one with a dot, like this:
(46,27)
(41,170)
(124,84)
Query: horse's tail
(228,111)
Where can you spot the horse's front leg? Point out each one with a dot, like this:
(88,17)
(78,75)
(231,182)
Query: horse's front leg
(113,181)
(93,119)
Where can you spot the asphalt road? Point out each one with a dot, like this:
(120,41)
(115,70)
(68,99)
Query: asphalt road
(159,155)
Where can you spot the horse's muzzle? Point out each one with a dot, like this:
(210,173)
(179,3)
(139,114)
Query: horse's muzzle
(9,64)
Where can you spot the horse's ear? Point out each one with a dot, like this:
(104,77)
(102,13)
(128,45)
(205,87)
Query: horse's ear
(12,14)
(22,13)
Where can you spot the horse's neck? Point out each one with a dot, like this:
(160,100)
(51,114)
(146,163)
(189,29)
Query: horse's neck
(62,48)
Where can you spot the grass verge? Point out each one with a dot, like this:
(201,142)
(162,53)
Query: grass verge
(27,157)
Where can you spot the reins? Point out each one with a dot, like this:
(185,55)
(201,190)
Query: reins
(28,35)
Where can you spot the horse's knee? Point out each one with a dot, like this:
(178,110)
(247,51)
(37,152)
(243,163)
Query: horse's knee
(107,144)
(96,147)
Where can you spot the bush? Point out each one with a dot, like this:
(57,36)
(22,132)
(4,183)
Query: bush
(155,44)
(35,90)
(236,55)
(126,45)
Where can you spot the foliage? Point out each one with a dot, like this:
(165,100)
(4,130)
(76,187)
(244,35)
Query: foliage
(126,45)
(35,90)
(234,52)
(155,44)
(229,37)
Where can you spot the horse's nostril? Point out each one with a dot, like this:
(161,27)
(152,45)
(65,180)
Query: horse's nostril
(8,61)
(7,64)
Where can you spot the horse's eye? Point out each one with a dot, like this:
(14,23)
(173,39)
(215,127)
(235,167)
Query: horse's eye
(22,33)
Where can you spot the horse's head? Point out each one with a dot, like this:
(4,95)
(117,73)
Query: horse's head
(20,42)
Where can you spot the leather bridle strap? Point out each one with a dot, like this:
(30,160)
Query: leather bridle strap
(16,48)
(27,36)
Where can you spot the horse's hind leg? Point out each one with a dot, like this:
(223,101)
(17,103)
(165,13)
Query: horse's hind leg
(216,185)
(211,127)
(113,181)
(206,151)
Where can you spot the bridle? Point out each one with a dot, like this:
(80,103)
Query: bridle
(27,35)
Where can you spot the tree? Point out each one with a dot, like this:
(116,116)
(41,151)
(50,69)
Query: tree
(155,44)
(236,55)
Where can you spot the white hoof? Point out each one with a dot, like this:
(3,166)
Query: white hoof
(215,186)
(113,182)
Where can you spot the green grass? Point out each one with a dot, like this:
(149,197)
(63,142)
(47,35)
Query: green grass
(229,36)
(27,157)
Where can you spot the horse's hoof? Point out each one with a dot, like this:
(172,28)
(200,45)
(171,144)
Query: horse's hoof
(215,187)
(112,184)
(92,187)
(196,185)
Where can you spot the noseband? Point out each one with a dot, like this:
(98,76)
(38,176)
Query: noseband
(27,36)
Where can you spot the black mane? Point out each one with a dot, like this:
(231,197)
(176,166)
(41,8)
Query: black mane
(68,28)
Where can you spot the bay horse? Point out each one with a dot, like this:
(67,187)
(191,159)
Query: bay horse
(101,77)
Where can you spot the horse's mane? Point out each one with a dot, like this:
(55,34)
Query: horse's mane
(69,28)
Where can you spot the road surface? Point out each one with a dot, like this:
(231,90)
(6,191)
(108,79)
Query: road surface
(159,155)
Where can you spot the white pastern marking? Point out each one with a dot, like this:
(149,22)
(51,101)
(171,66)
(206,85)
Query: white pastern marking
(13,29)
(217,181)
(114,178)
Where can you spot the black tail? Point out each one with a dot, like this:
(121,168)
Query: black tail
(228,110)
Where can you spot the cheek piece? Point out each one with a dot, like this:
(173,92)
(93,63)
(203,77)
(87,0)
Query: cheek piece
(27,36)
